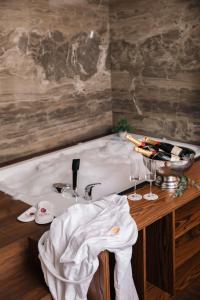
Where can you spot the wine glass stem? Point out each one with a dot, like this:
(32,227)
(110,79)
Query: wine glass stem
(150,187)
(134,187)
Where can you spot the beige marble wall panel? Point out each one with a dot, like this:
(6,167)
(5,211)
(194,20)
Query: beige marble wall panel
(155,60)
(54,82)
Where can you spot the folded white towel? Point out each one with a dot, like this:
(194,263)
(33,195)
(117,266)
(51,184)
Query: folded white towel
(68,252)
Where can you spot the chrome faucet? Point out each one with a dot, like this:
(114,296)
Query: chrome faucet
(88,190)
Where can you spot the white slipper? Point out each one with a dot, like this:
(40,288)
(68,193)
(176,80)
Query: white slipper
(28,215)
(44,214)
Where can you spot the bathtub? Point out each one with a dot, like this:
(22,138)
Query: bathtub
(103,160)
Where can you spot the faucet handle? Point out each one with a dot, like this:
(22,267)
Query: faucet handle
(88,190)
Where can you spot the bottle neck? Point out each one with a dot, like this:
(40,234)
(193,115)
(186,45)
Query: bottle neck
(147,153)
(150,141)
(135,141)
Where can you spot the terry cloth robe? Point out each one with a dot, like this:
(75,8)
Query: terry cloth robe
(69,250)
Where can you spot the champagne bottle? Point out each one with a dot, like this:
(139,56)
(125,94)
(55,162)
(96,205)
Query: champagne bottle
(157,155)
(141,144)
(169,148)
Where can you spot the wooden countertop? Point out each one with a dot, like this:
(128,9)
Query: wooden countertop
(146,212)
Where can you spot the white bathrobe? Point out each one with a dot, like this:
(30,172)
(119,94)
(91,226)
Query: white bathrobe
(69,251)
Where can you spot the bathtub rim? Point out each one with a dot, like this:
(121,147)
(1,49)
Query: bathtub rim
(53,153)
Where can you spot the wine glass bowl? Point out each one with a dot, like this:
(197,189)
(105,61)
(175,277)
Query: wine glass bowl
(169,172)
(135,176)
(150,176)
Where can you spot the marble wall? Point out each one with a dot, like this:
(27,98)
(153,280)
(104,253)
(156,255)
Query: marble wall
(155,61)
(54,80)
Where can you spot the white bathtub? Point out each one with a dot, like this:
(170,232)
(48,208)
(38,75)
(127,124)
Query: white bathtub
(103,160)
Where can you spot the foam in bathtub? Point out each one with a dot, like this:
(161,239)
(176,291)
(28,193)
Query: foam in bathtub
(106,162)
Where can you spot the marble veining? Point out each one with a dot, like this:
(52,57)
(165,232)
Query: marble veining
(60,58)
(155,63)
(54,81)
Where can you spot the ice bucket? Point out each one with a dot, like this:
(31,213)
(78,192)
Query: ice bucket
(169,172)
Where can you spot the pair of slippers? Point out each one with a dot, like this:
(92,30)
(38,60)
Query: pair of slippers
(42,214)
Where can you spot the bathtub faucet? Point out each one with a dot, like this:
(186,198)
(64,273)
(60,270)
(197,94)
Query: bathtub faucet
(88,190)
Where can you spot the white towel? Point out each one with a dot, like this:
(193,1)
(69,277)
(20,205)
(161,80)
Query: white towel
(68,252)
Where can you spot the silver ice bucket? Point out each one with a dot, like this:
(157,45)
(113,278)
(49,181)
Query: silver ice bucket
(169,172)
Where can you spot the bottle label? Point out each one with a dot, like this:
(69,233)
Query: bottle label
(176,150)
(174,158)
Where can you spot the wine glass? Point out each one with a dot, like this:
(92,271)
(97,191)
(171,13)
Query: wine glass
(135,175)
(150,176)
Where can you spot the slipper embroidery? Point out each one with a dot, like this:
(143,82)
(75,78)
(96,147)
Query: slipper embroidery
(44,214)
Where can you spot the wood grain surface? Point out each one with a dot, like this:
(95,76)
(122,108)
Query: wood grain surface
(164,220)
(187,245)
(187,217)
(188,273)
(139,264)
(146,212)
(160,253)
